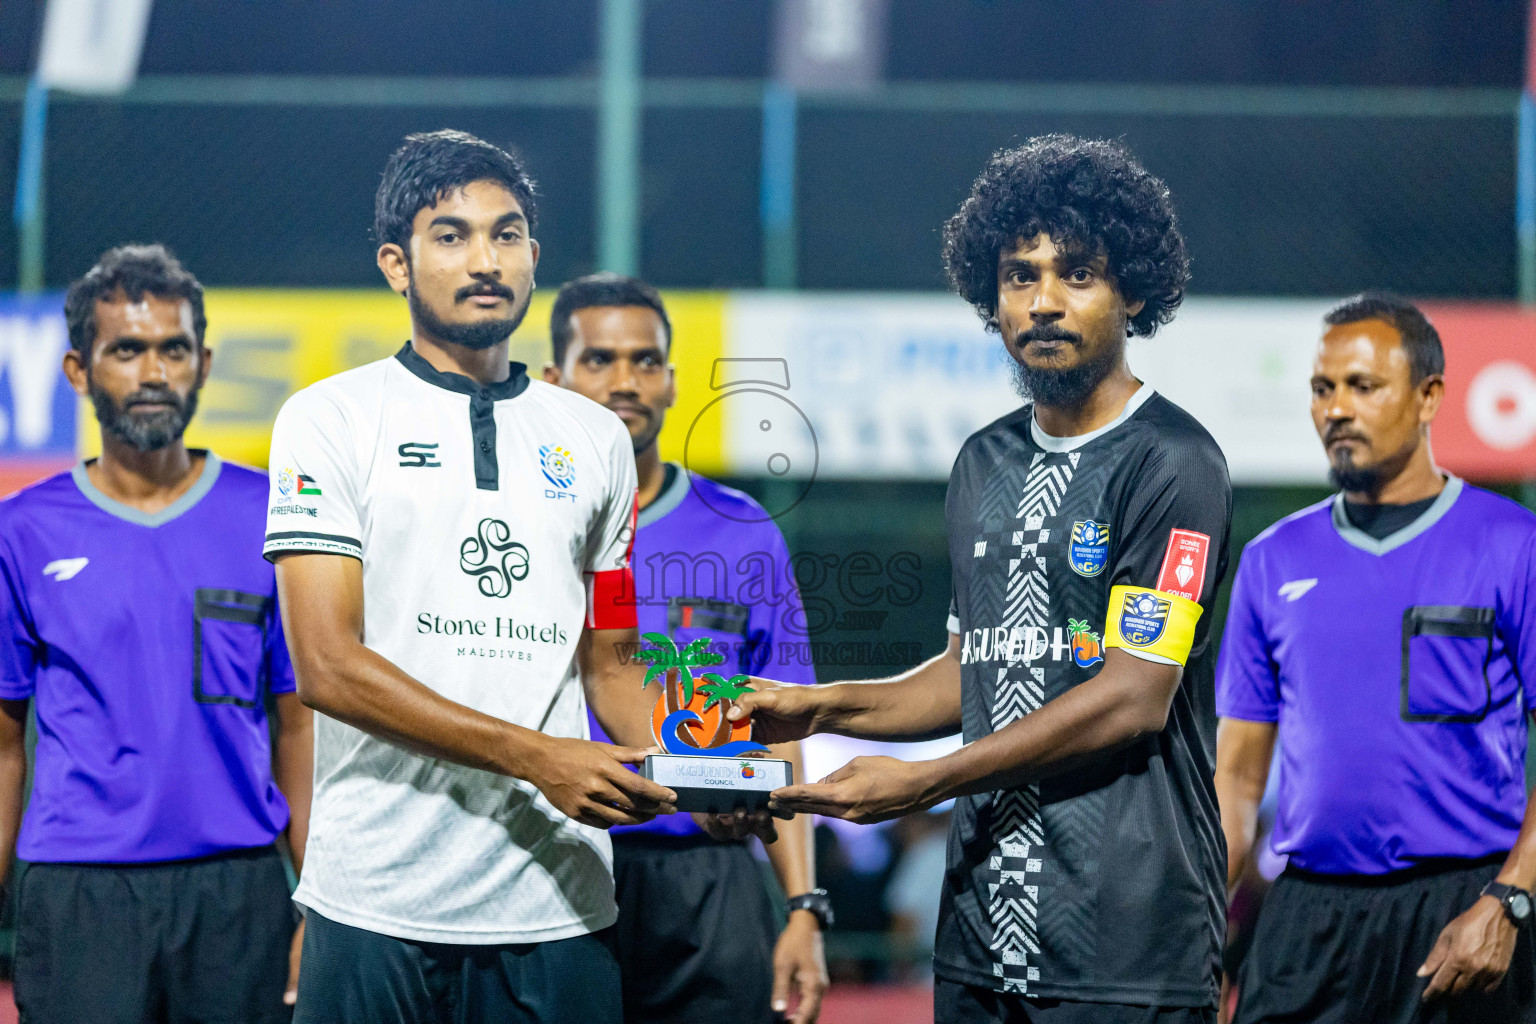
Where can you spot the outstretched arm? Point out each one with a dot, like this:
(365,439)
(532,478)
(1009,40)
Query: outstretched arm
(923,703)
(1127,700)
(321,597)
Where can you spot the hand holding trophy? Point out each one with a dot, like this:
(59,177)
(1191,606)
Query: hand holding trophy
(710,762)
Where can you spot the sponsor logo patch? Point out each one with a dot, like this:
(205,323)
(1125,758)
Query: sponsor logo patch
(1087,646)
(1143,617)
(287,482)
(418,455)
(1088,548)
(1183,571)
(493,558)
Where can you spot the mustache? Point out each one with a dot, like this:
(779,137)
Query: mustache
(1049,332)
(631,406)
(1343,433)
(157,396)
(484,288)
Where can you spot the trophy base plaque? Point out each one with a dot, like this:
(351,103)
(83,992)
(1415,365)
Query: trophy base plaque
(711,784)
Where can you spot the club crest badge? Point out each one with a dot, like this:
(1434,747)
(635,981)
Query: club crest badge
(1143,617)
(1088,549)
(558,464)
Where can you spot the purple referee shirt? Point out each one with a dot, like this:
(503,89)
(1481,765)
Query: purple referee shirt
(1394,668)
(149,642)
(709,562)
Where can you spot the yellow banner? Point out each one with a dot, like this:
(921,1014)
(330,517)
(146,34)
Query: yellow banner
(267,344)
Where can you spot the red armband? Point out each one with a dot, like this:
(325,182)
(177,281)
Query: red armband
(611,599)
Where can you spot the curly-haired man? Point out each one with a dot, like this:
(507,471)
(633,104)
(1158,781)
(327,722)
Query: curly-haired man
(1088,534)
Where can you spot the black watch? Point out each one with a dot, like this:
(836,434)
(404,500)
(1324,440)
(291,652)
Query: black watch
(820,906)
(1516,902)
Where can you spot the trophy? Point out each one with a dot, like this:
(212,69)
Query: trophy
(710,762)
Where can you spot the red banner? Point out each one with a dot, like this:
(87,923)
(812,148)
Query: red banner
(1487,428)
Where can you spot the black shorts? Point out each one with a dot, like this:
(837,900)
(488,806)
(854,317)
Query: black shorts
(1332,951)
(696,931)
(178,941)
(956,1003)
(354,976)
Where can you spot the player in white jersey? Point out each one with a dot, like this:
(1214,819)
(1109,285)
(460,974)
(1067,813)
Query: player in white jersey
(452,543)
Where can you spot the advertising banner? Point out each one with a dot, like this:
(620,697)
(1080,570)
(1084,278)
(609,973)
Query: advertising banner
(37,405)
(269,343)
(803,386)
(1487,427)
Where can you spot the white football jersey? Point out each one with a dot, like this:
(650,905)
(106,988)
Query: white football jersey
(480,515)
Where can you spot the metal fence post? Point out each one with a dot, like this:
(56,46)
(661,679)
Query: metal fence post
(618,138)
(29,208)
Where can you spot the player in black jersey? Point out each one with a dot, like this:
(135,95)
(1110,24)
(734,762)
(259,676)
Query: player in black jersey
(1088,535)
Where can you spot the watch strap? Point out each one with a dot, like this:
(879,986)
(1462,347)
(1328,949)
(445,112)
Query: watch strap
(818,903)
(1503,893)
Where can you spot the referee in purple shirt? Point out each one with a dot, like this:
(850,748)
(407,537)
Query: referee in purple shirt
(1387,636)
(696,932)
(138,615)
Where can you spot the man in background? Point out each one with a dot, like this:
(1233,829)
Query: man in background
(695,931)
(138,612)
(1384,635)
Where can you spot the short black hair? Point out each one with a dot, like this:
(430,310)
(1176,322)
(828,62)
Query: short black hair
(600,290)
(1421,342)
(1088,195)
(134,270)
(431,164)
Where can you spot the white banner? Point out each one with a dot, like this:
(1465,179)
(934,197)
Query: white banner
(891,385)
(92,46)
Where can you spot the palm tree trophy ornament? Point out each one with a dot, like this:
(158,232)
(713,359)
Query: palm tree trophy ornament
(696,771)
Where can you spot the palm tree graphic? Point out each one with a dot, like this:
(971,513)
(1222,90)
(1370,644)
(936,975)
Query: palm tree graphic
(717,688)
(666,656)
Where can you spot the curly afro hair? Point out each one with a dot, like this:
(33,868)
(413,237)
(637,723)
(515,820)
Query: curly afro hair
(1090,196)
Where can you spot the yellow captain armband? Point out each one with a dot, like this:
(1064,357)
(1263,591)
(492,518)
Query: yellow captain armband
(1152,621)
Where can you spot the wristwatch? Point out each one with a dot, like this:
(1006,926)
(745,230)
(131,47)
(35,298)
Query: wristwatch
(1516,902)
(820,906)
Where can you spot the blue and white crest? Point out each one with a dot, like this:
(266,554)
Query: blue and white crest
(1088,550)
(558,464)
(1143,618)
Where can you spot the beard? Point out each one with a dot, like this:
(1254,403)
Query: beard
(1344,474)
(145,432)
(477,334)
(1064,387)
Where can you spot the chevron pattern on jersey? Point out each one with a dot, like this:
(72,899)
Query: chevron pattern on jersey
(1068,916)
(1017,828)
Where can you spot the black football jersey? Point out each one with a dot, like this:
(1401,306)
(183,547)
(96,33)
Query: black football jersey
(1105,883)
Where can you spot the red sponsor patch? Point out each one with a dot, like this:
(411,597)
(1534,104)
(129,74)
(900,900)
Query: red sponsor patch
(1184,564)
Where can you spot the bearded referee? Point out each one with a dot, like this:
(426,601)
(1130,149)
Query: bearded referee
(451,615)
(140,622)
(1386,637)
(1088,534)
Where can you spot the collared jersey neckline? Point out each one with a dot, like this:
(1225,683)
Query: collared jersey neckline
(515,384)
